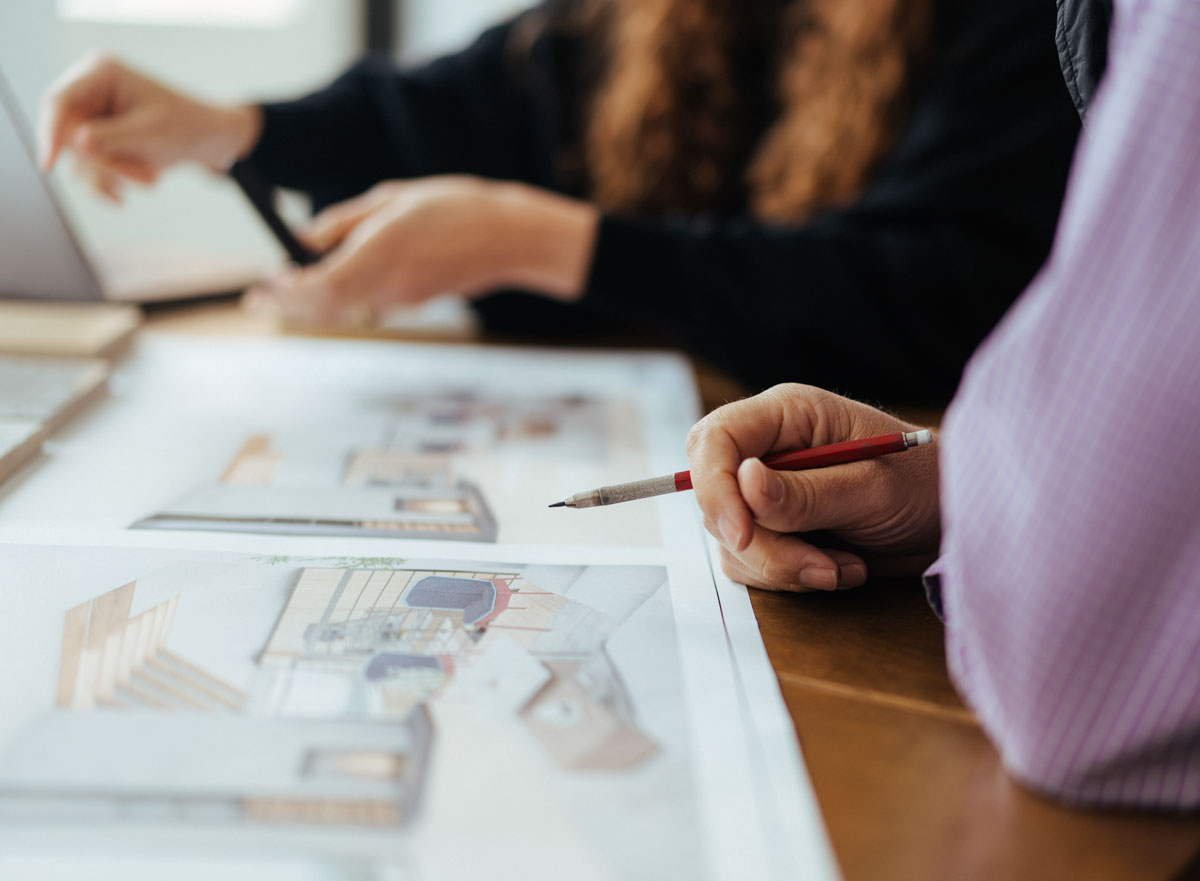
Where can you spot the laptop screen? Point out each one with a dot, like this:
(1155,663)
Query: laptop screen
(39,256)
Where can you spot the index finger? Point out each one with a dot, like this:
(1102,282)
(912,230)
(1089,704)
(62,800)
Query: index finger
(716,447)
(76,96)
(334,223)
(787,416)
(713,456)
(57,125)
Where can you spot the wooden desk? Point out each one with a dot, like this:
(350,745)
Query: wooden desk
(909,785)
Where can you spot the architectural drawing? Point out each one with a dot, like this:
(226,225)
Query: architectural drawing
(403,635)
(141,730)
(329,721)
(431,465)
(110,659)
(650,744)
(383,493)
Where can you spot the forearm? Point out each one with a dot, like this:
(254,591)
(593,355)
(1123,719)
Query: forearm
(1084,678)
(838,303)
(1070,480)
(541,241)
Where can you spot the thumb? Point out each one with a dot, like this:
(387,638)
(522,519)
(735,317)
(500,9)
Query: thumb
(801,501)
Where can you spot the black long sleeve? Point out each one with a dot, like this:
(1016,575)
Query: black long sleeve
(476,112)
(884,298)
(887,297)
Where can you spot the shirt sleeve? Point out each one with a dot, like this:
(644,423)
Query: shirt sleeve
(480,111)
(885,297)
(1070,572)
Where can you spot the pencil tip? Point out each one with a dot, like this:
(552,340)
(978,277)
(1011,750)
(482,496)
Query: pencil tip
(559,505)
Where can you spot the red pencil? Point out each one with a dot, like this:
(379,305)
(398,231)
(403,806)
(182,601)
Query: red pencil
(793,460)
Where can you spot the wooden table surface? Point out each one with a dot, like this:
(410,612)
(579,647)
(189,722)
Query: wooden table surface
(908,783)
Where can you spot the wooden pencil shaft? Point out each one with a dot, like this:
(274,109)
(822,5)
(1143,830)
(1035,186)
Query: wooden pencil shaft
(792,460)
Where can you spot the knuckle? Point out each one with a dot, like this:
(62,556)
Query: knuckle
(701,438)
(775,574)
(788,390)
(824,406)
(385,190)
(696,437)
(789,395)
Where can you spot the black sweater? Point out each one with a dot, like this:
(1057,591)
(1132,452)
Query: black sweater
(885,298)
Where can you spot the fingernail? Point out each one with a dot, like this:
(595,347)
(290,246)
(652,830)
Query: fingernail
(819,578)
(730,532)
(771,485)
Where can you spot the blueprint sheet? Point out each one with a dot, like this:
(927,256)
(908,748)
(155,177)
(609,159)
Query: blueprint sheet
(576,695)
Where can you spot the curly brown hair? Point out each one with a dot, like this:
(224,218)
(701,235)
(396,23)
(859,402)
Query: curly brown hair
(672,127)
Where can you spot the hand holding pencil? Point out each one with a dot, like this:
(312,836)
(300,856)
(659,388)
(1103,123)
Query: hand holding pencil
(885,507)
(792,460)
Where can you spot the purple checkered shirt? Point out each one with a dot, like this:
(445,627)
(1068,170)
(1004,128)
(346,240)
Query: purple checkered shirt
(1070,568)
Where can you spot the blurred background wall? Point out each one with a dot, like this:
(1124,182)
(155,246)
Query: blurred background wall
(235,50)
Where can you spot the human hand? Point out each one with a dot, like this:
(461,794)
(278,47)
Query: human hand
(887,508)
(123,126)
(403,242)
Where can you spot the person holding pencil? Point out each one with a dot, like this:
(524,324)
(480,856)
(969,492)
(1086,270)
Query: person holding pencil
(1066,530)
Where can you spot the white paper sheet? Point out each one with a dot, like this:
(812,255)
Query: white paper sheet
(184,408)
(525,429)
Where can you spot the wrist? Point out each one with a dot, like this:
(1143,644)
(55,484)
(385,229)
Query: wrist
(231,133)
(546,241)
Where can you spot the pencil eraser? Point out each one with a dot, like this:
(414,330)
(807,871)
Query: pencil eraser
(924,436)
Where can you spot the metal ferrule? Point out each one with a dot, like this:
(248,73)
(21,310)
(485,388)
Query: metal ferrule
(584,500)
(918,438)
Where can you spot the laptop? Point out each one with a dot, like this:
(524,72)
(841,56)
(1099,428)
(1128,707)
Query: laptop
(41,258)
